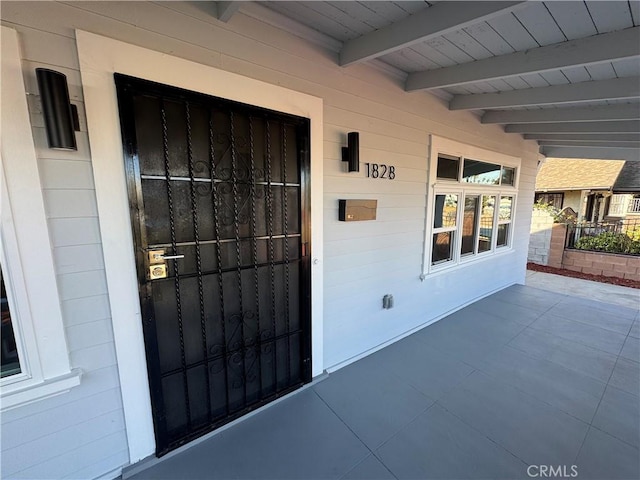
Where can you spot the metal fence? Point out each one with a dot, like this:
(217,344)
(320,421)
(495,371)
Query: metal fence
(591,229)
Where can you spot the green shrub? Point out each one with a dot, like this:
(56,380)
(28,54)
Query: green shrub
(547,207)
(609,242)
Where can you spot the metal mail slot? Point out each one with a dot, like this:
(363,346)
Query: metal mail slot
(357,210)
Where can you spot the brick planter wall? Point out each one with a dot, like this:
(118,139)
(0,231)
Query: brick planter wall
(607,264)
(556,247)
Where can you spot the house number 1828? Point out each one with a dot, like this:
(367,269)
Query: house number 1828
(380,170)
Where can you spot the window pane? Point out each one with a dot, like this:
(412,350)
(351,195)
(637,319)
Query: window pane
(508,176)
(10,363)
(553,199)
(503,233)
(616,207)
(442,247)
(446,210)
(469,221)
(505,208)
(448,167)
(486,222)
(480,172)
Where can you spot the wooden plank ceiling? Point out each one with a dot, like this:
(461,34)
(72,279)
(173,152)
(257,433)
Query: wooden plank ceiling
(564,73)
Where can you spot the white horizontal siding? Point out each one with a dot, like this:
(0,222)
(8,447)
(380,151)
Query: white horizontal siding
(82,284)
(86,309)
(97,465)
(46,448)
(74,203)
(363,260)
(93,382)
(91,334)
(68,232)
(66,174)
(80,258)
(39,425)
(84,456)
(94,357)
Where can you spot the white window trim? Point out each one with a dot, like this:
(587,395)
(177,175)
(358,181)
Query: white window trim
(25,251)
(100,57)
(444,190)
(509,221)
(440,145)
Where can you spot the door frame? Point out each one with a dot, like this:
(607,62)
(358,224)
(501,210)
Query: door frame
(100,57)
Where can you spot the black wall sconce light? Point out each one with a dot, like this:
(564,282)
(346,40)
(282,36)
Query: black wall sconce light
(351,153)
(60,117)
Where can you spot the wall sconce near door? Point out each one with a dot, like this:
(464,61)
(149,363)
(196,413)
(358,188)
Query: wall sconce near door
(351,153)
(60,119)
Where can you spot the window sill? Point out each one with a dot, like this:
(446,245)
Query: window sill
(39,391)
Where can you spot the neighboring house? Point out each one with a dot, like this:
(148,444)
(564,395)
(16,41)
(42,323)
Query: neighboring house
(595,190)
(178,260)
(625,201)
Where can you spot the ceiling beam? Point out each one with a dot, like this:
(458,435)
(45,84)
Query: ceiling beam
(606,47)
(610,153)
(585,138)
(622,126)
(226,10)
(560,143)
(444,17)
(617,88)
(581,114)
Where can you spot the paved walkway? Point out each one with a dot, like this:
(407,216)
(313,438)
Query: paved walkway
(518,382)
(603,292)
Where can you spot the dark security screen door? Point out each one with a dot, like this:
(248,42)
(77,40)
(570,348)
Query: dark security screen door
(220,213)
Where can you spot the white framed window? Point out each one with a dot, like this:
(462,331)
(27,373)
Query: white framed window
(36,361)
(445,227)
(471,202)
(618,204)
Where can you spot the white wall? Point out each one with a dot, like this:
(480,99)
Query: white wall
(81,433)
(573,199)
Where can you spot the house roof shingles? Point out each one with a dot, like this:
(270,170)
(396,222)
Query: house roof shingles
(571,174)
(629,179)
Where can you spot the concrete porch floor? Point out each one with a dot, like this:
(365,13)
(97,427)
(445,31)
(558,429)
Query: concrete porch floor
(577,287)
(525,377)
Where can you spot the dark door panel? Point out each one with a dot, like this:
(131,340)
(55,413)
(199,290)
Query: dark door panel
(221,189)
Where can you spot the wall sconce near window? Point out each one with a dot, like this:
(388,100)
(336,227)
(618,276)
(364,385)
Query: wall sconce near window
(60,117)
(351,153)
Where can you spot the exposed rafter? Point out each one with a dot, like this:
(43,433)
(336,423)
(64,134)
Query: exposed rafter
(585,51)
(585,138)
(444,17)
(560,143)
(622,126)
(581,114)
(226,10)
(617,88)
(612,153)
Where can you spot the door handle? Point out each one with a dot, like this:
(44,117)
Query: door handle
(158,256)
(157,264)
(170,257)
